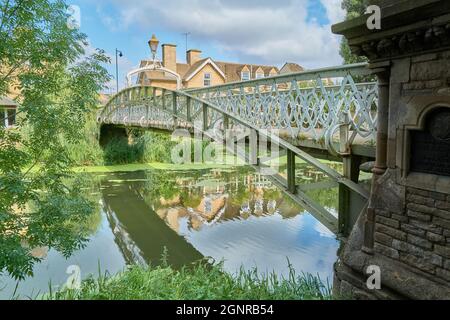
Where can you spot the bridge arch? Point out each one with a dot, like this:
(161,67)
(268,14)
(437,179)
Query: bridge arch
(239,106)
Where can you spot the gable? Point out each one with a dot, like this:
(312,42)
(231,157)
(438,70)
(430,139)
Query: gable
(200,66)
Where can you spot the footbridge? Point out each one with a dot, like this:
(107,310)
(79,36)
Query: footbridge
(329,112)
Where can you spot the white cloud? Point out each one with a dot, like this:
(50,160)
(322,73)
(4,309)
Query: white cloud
(253,30)
(334,10)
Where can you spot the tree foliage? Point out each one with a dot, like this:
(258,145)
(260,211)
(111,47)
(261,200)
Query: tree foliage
(43,59)
(354,9)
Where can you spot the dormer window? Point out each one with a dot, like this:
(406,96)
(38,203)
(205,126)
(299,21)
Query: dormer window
(245,75)
(259,75)
(207,79)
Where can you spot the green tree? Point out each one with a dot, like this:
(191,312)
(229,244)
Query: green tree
(354,9)
(43,58)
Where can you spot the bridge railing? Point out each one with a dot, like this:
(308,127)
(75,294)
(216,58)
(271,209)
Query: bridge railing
(311,104)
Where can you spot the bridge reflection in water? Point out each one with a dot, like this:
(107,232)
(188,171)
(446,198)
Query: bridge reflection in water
(239,217)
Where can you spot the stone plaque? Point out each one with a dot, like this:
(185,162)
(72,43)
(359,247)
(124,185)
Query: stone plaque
(430,148)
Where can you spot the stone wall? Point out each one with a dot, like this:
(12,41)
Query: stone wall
(406,229)
(420,237)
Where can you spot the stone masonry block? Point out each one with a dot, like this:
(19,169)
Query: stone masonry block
(442,222)
(413,230)
(442,214)
(443,205)
(438,196)
(399,217)
(419,192)
(383,239)
(420,208)
(447,264)
(427,201)
(436,238)
(408,248)
(418,263)
(434,259)
(420,242)
(442,273)
(418,215)
(442,250)
(395,233)
(429,70)
(386,251)
(426,226)
(388,222)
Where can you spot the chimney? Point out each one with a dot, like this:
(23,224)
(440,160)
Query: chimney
(169,52)
(192,56)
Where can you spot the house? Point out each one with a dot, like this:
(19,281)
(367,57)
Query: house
(199,72)
(290,67)
(8,109)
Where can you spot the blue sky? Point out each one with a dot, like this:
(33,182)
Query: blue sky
(247,31)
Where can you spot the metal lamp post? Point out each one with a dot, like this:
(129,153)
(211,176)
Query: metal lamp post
(118,54)
(153,44)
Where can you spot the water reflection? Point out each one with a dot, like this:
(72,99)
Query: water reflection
(233,215)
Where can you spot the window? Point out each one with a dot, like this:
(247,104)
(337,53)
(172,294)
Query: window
(11,117)
(207,79)
(245,75)
(7,117)
(259,75)
(3,118)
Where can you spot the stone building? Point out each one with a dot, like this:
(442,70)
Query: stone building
(200,72)
(405,232)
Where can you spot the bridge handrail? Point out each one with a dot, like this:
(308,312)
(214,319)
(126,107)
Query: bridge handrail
(357,69)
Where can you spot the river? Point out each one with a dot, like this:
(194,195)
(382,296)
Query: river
(234,215)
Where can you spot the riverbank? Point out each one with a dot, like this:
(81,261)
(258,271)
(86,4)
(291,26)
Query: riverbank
(199,281)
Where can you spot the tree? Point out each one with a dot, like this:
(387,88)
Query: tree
(354,9)
(44,59)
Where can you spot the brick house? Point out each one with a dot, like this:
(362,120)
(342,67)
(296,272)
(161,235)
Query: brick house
(202,72)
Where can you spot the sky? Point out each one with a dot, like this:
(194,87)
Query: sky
(246,31)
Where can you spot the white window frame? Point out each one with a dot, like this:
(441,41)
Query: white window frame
(8,121)
(242,75)
(207,79)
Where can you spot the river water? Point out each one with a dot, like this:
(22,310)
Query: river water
(232,215)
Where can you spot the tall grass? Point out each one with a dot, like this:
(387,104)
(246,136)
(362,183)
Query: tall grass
(146,147)
(200,281)
(87,152)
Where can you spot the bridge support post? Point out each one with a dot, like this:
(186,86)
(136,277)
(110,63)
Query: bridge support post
(174,110)
(163,98)
(188,109)
(291,187)
(349,207)
(205,117)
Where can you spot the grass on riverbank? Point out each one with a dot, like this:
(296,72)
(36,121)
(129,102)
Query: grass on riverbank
(200,281)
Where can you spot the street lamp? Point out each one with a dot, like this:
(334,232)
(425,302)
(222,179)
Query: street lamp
(118,54)
(153,44)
